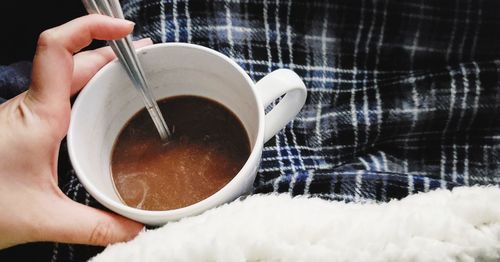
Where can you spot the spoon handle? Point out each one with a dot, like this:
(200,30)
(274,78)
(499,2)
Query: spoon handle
(125,52)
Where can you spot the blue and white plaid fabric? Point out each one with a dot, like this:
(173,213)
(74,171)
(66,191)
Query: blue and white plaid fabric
(404,96)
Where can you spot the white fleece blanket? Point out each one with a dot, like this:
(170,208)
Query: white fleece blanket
(462,225)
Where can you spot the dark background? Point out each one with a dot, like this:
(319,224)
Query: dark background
(22,21)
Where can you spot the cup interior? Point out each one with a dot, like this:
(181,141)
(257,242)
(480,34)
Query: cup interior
(109,100)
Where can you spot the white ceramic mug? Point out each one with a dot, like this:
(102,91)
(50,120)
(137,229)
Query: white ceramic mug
(109,100)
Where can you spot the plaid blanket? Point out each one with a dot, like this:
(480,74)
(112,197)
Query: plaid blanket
(404,96)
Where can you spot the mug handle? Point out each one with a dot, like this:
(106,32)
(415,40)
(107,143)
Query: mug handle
(273,86)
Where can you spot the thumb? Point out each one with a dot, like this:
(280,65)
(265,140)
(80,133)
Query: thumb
(80,224)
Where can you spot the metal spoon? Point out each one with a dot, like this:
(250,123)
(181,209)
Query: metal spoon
(126,55)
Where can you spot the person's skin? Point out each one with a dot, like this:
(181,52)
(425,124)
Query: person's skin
(32,125)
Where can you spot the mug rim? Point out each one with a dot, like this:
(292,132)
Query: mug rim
(197,207)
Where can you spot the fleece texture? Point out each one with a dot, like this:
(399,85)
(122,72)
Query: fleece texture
(442,225)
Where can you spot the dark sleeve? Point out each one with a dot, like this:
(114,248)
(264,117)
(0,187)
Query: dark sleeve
(14,79)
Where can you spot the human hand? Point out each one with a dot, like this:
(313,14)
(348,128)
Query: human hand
(32,125)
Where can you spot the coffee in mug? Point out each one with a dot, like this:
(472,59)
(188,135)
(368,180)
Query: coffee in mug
(175,70)
(208,148)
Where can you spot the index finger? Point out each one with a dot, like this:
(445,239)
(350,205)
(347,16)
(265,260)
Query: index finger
(53,63)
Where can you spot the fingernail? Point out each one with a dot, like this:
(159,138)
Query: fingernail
(146,39)
(130,23)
